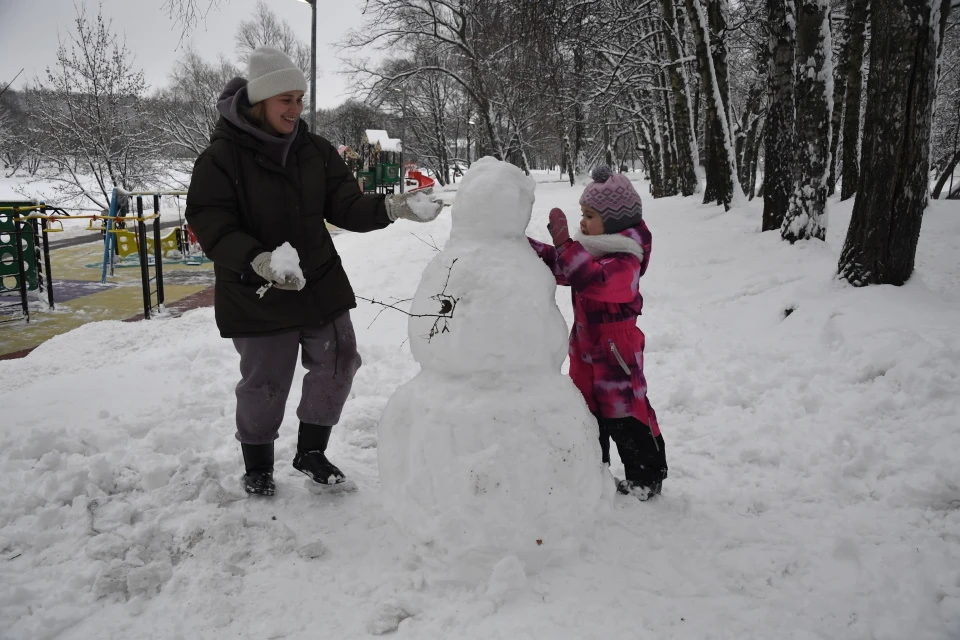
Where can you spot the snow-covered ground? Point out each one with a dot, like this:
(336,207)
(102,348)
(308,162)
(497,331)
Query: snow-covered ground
(814,487)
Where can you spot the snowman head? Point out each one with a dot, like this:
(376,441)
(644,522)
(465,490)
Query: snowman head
(495,200)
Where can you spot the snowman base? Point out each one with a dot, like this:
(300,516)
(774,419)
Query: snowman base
(319,489)
(488,466)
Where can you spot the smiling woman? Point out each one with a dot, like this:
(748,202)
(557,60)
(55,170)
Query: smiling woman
(264,187)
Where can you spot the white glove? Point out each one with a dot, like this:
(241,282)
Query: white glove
(413,205)
(261,266)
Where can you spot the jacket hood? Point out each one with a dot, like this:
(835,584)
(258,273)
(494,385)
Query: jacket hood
(232,100)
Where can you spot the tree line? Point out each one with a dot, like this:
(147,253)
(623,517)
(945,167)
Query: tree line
(784,99)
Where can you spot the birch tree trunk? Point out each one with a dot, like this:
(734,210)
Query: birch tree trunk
(708,27)
(746,140)
(814,90)
(857,16)
(578,115)
(651,158)
(661,101)
(752,184)
(778,175)
(685,155)
(839,91)
(881,243)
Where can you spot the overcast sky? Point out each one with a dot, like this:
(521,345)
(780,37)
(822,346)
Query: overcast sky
(28,35)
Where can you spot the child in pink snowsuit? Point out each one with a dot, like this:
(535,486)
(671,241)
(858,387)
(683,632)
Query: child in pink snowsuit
(602,265)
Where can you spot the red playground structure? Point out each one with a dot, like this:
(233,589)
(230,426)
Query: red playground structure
(423,182)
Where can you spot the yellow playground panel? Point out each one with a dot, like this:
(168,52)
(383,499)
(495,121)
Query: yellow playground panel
(127,243)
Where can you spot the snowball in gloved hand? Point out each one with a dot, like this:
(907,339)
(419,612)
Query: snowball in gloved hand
(418,206)
(280,267)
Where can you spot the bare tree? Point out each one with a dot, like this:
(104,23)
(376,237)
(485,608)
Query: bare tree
(814,90)
(91,115)
(945,141)
(188,13)
(347,123)
(857,17)
(18,143)
(267,29)
(8,135)
(840,73)
(881,242)
(685,138)
(780,127)
(185,111)
(709,23)
(469,32)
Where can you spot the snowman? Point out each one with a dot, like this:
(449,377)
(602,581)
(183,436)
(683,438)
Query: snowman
(490,452)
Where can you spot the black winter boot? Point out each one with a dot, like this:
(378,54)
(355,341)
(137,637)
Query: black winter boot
(643,455)
(310,459)
(639,490)
(258,460)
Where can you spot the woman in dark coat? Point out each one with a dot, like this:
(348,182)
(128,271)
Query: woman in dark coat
(265,181)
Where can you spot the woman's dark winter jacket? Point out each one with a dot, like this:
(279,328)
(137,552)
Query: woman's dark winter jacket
(251,192)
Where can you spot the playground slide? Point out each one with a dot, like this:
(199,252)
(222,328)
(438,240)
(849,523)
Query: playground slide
(423,181)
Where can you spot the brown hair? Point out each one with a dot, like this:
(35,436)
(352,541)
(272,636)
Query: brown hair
(256,114)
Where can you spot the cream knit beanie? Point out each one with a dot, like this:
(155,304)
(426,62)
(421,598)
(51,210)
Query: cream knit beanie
(270,73)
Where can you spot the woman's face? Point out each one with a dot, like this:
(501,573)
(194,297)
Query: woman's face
(283,112)
(591,224)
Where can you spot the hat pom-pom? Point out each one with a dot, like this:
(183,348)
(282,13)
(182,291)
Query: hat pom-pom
(601,173)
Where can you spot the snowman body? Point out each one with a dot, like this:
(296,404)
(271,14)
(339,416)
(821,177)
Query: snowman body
(490,450)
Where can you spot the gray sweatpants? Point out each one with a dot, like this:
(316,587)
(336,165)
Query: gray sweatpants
(267,364)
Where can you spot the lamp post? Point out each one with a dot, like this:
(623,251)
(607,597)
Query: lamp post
(403,130)
(313,65)
(470,123)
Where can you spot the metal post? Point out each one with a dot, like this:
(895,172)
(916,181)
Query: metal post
(403,130)
(313,68)
(18,238)
(38,226)
(158,252)
(109,237)
(142,252)
(47,274)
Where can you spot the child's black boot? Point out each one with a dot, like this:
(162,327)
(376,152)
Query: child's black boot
(639,490)
(643,455)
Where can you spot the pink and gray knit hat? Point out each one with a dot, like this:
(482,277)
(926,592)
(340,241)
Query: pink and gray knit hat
(614,198)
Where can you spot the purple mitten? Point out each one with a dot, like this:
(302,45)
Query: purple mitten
(558,227)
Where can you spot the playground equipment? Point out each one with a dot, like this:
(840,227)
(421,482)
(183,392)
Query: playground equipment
(21,233)
(423,181)
(115,237)
(25,253)
(128,243)
(378,168)
(179,245)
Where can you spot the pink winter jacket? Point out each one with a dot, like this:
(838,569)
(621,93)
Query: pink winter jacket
(606,347)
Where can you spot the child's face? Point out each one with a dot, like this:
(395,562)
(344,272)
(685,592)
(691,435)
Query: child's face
(591,224)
